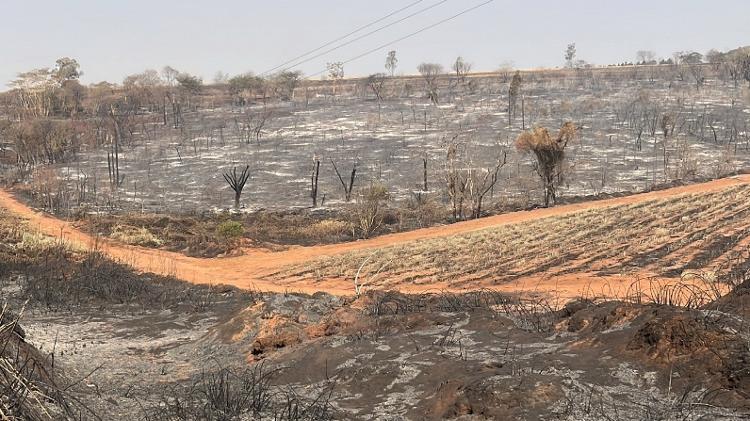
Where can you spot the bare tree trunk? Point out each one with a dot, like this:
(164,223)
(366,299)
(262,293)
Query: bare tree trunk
(110,169)
(509,110)
(314,183)
(116,149)
(656,159)
(177,115)
(347,188)
(664,157)
(351,182)
(164,110)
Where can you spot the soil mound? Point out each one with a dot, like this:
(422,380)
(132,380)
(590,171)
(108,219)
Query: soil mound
(710,349)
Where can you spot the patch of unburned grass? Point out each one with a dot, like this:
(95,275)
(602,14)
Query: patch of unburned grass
(136,236)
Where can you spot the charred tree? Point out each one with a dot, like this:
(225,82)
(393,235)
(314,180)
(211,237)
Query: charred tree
(314,182)
(480,185)
(237,182)
(549,153)
(347,187)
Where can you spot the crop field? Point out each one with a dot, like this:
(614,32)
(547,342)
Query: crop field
(620,146)
(663,238)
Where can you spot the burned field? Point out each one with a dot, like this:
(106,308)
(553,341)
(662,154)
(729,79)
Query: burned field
(129,346)
(87,337)
(430,243)
(638,128)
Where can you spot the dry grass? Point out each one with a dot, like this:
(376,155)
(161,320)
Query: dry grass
(240,394)
(30,386)
(57,275)
(664,237)
(135,236)
(201,236)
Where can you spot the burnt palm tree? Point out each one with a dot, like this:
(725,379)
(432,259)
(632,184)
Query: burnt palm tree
(237,182)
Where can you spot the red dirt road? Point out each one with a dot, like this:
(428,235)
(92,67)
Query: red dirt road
(250,269)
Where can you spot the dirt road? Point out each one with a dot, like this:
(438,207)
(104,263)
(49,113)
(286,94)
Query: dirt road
(250,269)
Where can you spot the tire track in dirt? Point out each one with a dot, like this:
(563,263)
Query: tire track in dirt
(251,269)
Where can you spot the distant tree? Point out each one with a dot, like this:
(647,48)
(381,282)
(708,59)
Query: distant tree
(570,55)
(42,140)
(170,75)
(286,82)
(645,57)
(70,97)
(335,73)
(694,62)
(46,91)
(513,91)
(335,70)
(715,57)
(391,62)
(581,64)
(461,68)
(667,125)
(66,69)
(376,82)
(34,93)
(149,78)
(430,73)
(237,182)
(244,86)
(744,66)
(190,83)
(221,78)
(143,88)
(698,73)
(456,180)
(550,155)
(250,124)
(691,57)
(505,70)
(119,112)
(677,57)
(734,64)
(99,96)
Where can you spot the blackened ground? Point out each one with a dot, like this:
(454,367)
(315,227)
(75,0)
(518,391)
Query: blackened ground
(137,346)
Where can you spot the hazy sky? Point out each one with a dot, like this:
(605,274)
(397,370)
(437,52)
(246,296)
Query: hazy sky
(114,38)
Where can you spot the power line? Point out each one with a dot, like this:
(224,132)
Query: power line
(366,34)
(362,28)
(426,28)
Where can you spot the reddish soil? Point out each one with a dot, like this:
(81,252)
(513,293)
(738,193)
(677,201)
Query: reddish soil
(250,269)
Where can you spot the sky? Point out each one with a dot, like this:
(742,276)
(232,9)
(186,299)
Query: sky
(114,38)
